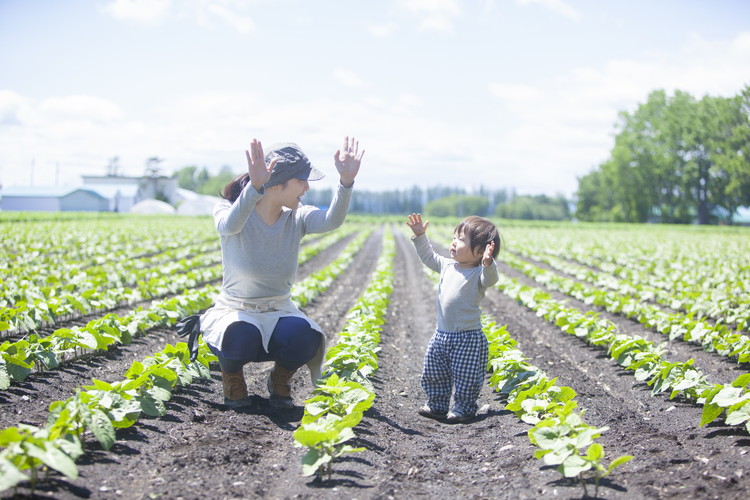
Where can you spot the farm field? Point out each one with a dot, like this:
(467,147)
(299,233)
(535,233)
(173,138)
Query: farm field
(613,312)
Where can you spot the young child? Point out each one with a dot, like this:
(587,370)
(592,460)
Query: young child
(456,356)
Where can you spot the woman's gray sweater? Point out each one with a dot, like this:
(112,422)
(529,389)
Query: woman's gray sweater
(261,260)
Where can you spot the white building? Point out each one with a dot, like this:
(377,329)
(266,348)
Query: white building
(53,199)
(95,194)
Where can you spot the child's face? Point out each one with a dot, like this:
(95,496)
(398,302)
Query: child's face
(461,252)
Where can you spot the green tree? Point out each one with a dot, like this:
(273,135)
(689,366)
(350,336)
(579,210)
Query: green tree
(215,185)
(730,147)
(457,206)
(186,178)
(538,207)
(592,204)
(675,159)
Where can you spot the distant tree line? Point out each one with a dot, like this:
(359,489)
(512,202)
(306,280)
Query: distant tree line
(436,201)
(676,159)
(453,202)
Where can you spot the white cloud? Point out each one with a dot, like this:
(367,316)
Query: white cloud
(513,93)
(435,15)
(347,78)
(140,11)
(556,6)
(536,136)
(382,30)
(205,12)
(13,107)
(79,108)
(242,24)
(566,124)
(410,100)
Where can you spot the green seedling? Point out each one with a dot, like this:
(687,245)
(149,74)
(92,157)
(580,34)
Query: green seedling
(325,440)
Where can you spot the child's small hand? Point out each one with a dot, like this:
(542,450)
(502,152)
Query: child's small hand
(416,225)
(487,257)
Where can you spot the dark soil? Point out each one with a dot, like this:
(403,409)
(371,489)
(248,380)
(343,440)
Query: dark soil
(200,449)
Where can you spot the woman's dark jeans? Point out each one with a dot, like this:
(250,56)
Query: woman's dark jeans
(293,343)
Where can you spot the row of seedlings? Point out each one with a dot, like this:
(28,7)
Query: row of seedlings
(713,337)
(39,353)
(724,308)
(560,433)
(33,307)
(98,410)
(345,392)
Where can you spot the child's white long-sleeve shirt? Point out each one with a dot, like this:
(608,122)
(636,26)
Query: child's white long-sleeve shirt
(460,291)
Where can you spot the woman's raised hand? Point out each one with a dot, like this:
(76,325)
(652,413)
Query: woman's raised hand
(348,161)
(256,165)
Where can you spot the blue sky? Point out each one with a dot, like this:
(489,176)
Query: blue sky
(522,94)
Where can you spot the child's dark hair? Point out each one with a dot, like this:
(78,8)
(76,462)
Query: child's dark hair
(233,190)
(480,233)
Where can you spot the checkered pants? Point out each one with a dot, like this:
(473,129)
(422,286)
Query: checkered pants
(455,359)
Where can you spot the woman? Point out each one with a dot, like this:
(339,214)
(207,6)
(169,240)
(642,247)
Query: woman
(261,222)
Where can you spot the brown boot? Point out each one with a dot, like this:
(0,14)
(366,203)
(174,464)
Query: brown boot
(279,387)
(235,389)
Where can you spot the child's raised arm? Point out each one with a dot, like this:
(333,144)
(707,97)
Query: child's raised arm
(487,257)
(416,225)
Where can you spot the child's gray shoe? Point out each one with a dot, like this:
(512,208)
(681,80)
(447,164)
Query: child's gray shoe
(457,417)
(428,412)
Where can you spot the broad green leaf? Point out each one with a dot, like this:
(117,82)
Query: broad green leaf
(313,460)
(100,385)
(710,413)
(545,438)
(102,428)
(4,376)
(595,452)
(88,339)
(742,380)
(587,435)
(559,454)
(53,458)
(739,414)
(199,370)
(10,476)
(160,393)
(574,465)
(152,407)
(729,396)
(135,370)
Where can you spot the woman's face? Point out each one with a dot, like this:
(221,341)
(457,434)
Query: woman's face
(292,191)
